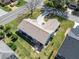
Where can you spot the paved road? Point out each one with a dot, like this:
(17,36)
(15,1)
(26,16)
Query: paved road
(13,14)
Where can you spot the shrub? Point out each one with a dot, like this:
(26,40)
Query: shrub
(2,35)
(13,46)
(9,33)
(6,8)
(49,4)
(1,27)
(7,28)
(14,37)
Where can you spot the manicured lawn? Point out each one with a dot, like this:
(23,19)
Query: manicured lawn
(35,14)
(20,3)
(5,8)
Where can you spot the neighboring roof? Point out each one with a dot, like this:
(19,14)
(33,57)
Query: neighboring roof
(4,48)
(6,1)
(40,33)
(74,33)
(6,52)
(70,48)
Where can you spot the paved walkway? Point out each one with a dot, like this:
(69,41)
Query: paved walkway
(2,12)
(40,19)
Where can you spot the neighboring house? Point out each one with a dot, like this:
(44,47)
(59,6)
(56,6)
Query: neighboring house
(74,33)
(6,52)
(38,35)
(70,47)
(6,1)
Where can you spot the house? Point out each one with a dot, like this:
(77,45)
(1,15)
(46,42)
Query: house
(6,1)
(70,47)
(6,52)
(39,35)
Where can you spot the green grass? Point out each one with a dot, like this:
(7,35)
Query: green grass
(23,48)
(5,8)
(34,15)
(20,3)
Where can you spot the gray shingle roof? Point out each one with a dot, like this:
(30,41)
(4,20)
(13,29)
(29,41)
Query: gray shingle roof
(6,52)
(40,33)
(70,48)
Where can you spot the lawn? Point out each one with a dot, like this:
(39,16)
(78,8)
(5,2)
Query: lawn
(23,49)
(21,3)
(5,8)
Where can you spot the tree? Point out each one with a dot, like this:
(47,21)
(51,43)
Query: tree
(14,37)
(8,33)
(32,5)
(78,2)
(58,3)
(49,3)
(8,27)
(55,3)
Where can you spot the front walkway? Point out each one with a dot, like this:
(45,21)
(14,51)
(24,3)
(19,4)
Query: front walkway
(2,12)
